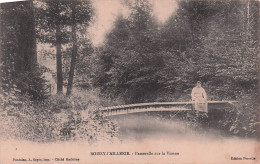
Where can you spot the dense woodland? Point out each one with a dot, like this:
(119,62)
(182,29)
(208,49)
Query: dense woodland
(141,60)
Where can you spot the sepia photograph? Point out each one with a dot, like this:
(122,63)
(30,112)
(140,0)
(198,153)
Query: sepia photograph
(129,81)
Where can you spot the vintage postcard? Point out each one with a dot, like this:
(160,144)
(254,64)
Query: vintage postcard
(129,82)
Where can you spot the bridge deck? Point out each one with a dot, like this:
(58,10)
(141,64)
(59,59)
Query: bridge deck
(159,106)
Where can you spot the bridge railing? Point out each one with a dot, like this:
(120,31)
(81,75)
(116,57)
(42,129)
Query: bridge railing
(156,106)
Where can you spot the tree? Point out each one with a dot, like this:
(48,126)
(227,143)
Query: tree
(206,41)
(19,69)
(60,23)
(227,55)
(82,12)
(129,54)
(214,42)
(52,26)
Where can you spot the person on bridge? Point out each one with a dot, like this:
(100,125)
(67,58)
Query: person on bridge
(199,97)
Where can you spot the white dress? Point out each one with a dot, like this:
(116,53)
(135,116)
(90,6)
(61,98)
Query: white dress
(199,95)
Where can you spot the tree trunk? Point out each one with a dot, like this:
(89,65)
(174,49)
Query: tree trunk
(74,52)
(26,60)
(59,61)
(34,44)
(27,38)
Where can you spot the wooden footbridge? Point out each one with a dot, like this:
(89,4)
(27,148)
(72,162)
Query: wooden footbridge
(162,106)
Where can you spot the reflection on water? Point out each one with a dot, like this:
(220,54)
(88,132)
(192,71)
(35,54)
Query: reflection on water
(142,126)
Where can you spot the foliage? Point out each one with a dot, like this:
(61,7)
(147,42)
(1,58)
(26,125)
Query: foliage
(241,119)
(127,59)
(63,24)
(19,69)
(56,119)
(140,61)
(214,42)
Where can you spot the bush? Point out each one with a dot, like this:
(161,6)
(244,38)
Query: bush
(58,118)
(242,121)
